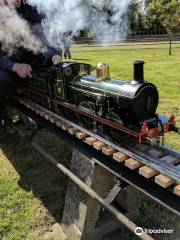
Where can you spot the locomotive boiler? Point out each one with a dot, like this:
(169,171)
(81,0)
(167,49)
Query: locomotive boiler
(118,100)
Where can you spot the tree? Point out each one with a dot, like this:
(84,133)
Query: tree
(171,20)
(167,14)
(146,3)
(136,16)
(133,12)
(155,13)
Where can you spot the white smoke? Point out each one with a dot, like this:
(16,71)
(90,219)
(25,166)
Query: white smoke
(106,18)
(15,32)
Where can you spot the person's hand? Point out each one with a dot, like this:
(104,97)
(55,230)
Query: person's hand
(56,59)
(22,70)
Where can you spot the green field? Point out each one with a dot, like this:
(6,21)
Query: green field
(32,190)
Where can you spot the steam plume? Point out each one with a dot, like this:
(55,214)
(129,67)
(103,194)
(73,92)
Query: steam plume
(106,18)
(15,32)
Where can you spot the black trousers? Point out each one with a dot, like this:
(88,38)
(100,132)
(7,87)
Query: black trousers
(8,85)
(10,80)
(67,53)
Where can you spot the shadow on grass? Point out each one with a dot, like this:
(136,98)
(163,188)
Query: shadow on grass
(48,184)
(38,175)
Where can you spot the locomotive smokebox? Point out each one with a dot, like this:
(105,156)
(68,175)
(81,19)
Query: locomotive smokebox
(139,71)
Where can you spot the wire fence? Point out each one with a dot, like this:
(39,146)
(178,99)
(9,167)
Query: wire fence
(135,36)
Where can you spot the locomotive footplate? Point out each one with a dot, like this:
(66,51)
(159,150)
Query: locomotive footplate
(97,119)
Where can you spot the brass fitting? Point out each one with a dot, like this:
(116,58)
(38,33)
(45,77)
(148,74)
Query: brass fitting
(102,72)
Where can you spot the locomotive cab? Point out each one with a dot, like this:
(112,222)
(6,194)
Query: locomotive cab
(66,73)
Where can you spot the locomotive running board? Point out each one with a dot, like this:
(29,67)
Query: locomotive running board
(97,119)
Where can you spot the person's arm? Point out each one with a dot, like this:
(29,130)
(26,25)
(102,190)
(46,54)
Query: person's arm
(5,62)
(22,70)
(52,56)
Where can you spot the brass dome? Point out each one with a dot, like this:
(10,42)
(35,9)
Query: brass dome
(103,72)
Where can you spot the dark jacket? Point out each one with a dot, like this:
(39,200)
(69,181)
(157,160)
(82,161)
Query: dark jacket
(34,18)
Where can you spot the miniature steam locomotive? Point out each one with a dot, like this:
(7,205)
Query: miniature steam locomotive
(123,111)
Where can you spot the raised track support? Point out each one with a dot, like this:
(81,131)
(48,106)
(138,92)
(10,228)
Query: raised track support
(83,218)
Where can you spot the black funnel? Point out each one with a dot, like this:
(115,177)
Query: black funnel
(139,71)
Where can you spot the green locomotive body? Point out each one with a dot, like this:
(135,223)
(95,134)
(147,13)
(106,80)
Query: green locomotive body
(122,101)
(114,108)
(116,99)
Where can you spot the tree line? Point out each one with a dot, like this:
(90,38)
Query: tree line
(151,16)
(155,16)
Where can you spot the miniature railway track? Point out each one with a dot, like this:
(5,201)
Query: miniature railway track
(147,174)
(160,165)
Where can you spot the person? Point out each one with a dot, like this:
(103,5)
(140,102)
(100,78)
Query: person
(19,66)
(67,39)
(67,53)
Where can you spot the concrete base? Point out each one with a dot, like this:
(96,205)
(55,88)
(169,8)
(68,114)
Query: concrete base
(81,212)
(56,233)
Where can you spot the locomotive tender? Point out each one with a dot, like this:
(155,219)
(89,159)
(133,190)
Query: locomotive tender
(122,111)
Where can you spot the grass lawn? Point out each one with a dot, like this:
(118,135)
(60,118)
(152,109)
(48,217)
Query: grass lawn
(32,191)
